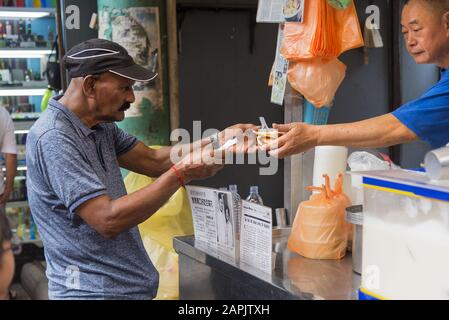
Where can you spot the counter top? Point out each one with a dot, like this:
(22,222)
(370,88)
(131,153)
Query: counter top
(294,277)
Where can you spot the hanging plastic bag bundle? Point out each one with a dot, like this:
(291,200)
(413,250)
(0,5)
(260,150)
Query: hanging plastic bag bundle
(324,41)
(319,230)
(326,32)
(317,80)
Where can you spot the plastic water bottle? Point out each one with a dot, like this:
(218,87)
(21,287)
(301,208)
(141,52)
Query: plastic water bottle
(254,195)
(237,204)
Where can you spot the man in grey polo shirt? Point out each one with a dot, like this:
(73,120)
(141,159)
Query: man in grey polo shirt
(78,200)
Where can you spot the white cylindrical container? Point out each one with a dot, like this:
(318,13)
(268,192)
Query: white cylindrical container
(329,160)
(437,164)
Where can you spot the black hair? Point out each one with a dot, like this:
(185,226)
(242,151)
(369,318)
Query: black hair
(5,231)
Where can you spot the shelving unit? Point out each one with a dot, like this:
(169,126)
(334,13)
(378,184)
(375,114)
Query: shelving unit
(29,53)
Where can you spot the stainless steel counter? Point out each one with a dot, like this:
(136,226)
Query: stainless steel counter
(203,276)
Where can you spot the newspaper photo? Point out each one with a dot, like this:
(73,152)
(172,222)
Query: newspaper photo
(214,222)
(256,236)
(279,11)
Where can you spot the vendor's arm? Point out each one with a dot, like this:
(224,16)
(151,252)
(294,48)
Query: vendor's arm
(377,132)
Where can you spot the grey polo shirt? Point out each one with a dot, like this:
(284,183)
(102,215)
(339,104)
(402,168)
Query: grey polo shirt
(69,164)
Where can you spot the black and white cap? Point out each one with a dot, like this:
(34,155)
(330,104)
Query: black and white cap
(96,56)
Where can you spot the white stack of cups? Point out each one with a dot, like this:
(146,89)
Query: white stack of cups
(329,160)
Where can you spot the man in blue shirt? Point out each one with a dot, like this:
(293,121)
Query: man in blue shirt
(87,222)
(425,26)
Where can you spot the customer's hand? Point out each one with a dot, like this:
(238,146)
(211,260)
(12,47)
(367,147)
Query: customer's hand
(293,138)
(245,135)
(202,163)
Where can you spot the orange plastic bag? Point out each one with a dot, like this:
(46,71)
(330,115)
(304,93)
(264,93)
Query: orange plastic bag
(324,41)
(326,32)
(319,230)
(317,80)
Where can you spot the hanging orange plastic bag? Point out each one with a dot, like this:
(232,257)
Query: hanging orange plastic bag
(319,230)
(317,80)
(326,32)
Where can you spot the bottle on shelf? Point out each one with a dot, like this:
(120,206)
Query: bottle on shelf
(254,195)
(29,34)
(50,36)
(20,3)
(21,30)
(237,204)
(8,29)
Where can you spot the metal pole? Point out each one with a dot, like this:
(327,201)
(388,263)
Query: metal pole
(173,64)
(59,24)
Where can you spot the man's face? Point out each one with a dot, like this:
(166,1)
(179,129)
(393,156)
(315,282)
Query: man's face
(113,96)
(425,33)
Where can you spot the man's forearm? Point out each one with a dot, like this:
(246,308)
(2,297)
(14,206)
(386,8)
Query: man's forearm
(11,170)
(383,131)
(135,208)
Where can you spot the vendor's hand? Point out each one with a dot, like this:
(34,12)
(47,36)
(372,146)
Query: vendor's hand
(201,163)
(294,138)
(4,198)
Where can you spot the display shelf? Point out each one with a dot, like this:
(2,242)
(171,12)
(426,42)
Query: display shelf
(19,168)
(17,204)
(22,127)
(22,117)
(26,13)
(14,53)
(21,91)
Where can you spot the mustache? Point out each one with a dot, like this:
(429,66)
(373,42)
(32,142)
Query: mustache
(125,106)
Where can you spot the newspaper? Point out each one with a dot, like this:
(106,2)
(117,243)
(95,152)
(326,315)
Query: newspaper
(256,236)
(279,11)
(214,221)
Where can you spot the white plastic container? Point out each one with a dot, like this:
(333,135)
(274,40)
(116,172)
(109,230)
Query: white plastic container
(405,236)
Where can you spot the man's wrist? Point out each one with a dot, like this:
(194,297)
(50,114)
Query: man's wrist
(317,135)
(179,170)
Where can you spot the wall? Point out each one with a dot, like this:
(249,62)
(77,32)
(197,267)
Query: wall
(223,83)
(73,37)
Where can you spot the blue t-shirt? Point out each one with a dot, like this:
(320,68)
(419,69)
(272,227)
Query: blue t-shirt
(69,164)
(428,116)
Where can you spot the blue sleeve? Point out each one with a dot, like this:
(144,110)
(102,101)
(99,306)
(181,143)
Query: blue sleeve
(67,171)
(124,142)
(428,116)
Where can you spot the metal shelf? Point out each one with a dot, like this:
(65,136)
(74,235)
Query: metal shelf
(21,91)
(17,204)
(18,52)
(21,126)
(13,13)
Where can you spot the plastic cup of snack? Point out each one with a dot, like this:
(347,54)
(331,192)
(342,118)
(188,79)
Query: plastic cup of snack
(266,136)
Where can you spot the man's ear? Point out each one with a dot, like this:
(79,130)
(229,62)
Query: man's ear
(446,22)
(89,86)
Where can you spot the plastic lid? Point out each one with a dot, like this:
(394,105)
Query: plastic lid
(254,189)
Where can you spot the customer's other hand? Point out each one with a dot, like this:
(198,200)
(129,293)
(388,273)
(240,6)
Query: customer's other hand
(202,163)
